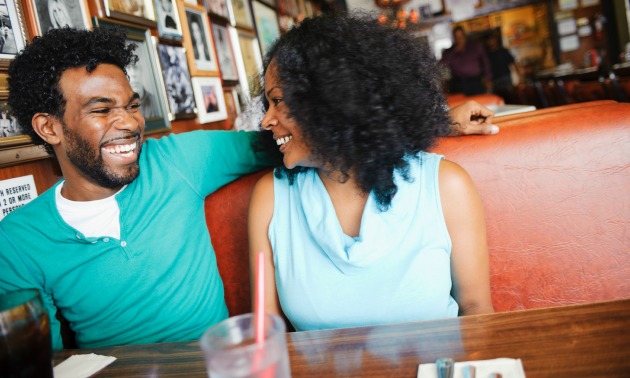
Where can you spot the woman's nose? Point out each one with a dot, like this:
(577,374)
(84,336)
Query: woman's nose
(269,120)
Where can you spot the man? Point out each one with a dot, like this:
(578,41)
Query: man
(501,62)
(468,64)
(119,246)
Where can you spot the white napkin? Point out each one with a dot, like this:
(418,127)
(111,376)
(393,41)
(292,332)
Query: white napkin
(507,367)
(82,365)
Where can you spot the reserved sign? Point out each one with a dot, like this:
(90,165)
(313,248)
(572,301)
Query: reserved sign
(16,192)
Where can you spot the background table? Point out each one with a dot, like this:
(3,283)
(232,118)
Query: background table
(591,340)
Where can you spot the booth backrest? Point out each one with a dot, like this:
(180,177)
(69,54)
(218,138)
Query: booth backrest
(556,193)
(485,99)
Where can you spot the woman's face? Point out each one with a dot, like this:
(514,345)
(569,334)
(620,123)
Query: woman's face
(286,132)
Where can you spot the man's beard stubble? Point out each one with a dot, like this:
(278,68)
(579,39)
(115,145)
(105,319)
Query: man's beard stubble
(91,163)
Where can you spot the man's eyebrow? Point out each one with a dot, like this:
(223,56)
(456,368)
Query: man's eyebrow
(99,100)
(135,96)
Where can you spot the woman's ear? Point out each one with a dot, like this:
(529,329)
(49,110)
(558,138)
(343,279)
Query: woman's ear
(44,126)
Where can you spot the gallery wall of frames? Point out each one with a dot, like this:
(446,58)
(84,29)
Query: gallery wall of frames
(198,59)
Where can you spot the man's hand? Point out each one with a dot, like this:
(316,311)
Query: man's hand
(472,118)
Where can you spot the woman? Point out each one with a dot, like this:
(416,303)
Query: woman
(362,226)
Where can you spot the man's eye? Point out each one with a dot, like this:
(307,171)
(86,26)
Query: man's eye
(100,111)
(134,107)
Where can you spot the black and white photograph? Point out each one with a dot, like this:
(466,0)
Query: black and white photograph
(55,14)
(198,41)
(227,61)
(8,124)
(209,95)
(179,91)
(142,84)
(12,38)
(241,14)
(168,19)
(218,7)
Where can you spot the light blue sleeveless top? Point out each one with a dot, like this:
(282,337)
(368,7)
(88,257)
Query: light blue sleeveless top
(396,270)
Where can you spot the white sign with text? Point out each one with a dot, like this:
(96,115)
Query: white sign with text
(16,192)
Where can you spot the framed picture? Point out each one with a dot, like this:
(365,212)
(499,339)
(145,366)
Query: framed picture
(12,26)
(209,96)
(250,62)
(240,14)
(135,11)
(193,2)
(168,22)
(198,40)
(218,7)
(227,61)
(15,145)
(55,14)
(145,78)
(266,20)
(181,100)
(232,105)
(308,8)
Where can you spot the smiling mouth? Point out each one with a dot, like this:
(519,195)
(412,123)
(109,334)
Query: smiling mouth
(122,150)
(284,140)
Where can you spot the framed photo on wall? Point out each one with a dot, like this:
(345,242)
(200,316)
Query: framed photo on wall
(251,61)
(267,27)
(145,78)
(227,61)
(135,11)
(241,14)
(232,105)
(218,7)
(168,21)
(209,96)
(12,26)
(55,14)
(181,100)
(198,40)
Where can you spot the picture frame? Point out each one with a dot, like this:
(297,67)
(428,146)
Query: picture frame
(271,3)
(202,60)
(225,53)
(209,95)
(217,7)
(308,8)
(249,61)
(267,25)
(15,145)
(145,77)
(54,14)
(232,105)
(241,14)
(177,81)
(168,21)
(13,25)
(141,12)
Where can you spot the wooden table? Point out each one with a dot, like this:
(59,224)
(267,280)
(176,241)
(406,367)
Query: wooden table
(591,340)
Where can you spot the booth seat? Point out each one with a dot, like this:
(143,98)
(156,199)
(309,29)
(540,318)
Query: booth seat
(556,193)
(486,99)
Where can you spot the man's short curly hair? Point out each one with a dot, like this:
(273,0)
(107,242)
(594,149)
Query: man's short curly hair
(35,73)
(366,96)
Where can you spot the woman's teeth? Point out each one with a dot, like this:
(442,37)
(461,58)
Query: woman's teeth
(285,140)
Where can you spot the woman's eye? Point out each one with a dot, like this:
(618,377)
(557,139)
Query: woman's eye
(276,101)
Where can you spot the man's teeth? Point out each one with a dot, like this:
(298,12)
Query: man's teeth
(285,140)
(125,149)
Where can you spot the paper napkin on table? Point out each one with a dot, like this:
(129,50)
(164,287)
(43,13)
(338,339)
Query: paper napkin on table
(507,367)
(82,365)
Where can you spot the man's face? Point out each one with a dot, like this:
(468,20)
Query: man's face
(102,126)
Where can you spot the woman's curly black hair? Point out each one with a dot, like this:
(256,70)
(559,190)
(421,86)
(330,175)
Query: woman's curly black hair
(366,97)
(34,74)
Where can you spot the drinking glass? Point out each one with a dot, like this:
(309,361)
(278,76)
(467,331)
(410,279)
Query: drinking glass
(230,349)
(25,343)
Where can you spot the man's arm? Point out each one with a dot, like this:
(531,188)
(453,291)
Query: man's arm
(16,275)
(472,118)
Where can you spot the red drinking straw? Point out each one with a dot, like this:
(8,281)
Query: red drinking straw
(259,301)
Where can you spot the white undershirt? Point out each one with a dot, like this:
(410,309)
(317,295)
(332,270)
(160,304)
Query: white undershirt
(91,218)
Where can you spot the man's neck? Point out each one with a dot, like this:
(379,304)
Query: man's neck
(85,191)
